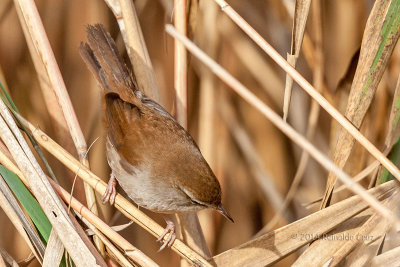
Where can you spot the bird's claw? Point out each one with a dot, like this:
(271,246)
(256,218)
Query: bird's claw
(111,191)
(170,228)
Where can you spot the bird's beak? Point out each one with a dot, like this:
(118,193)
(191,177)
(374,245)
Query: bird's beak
(221,210)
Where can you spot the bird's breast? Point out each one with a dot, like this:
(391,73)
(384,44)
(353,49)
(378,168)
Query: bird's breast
(158,194)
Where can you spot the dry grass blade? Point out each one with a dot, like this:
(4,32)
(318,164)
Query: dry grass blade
(21,224)
(389,258)
(337,244)
(364,251)
(54,251)
(277,244)
(341,96)
(280,124)
(380,37)
(31,18)
(122,204)
(302,8)
(309,88)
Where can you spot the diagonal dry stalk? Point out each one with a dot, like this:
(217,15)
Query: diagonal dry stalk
(380,36)
(348,126)
(283,126)
(275,245)
(34,31)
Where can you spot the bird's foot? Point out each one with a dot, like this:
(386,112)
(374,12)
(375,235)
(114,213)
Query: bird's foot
(111,191)
(170,228)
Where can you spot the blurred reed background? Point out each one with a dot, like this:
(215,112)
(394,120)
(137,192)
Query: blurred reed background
(243,148)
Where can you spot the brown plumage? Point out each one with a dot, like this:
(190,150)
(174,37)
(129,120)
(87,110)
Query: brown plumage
(153,158)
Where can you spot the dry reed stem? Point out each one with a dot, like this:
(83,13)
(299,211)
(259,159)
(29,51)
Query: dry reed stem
(207,120)
(389,258)
(207,102)
(34,25)
(122,204)
(267,48)
(59,123)
(180,64)
(299,24)
(44,193)
(191,231)
(58,120)
(283,126)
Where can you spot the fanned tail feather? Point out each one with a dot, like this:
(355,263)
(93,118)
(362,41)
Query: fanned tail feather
(102,57)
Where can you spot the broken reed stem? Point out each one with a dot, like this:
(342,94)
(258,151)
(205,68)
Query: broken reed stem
(280,124)
(122,204)
(34,26)
(346,124)
(318,82)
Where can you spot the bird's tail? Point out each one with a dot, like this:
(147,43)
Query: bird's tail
(102,58)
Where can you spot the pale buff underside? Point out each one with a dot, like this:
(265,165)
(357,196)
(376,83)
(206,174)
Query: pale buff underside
(153,193)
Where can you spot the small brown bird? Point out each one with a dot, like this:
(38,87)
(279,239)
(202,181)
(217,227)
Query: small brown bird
(154,159)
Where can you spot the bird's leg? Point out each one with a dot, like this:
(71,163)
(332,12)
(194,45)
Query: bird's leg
(170,228)
(111,191)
